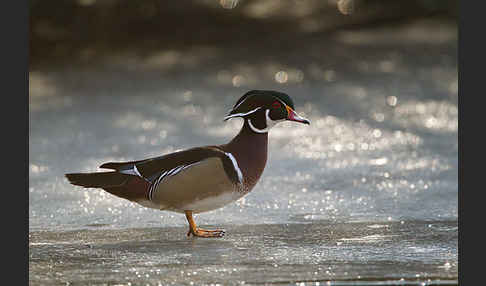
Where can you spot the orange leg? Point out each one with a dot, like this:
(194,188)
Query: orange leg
(194,230)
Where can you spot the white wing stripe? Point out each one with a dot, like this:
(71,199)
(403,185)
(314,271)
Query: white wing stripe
(136,171)
(130,172)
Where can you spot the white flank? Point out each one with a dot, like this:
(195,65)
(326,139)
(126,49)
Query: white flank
(213,203)
(235,165)
(168,173)
(150,204)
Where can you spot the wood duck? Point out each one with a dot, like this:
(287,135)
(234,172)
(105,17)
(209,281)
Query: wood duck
(205,178)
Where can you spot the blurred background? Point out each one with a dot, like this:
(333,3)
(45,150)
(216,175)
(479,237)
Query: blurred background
(114,80)
(239,32)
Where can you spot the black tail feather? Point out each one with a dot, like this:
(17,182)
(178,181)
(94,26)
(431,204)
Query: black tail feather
(98,180)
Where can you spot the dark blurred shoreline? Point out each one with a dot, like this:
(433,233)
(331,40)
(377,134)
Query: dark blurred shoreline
(87,32)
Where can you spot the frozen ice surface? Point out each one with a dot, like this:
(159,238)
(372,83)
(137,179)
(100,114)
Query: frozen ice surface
(309,253)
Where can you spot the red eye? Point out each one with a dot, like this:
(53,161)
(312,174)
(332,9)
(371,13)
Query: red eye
(276,104)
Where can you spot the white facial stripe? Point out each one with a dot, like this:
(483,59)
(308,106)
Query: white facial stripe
(241,114)
(269,122)
(264,130)
(235,165)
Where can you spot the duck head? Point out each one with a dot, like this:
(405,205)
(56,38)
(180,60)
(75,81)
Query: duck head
(263,109)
